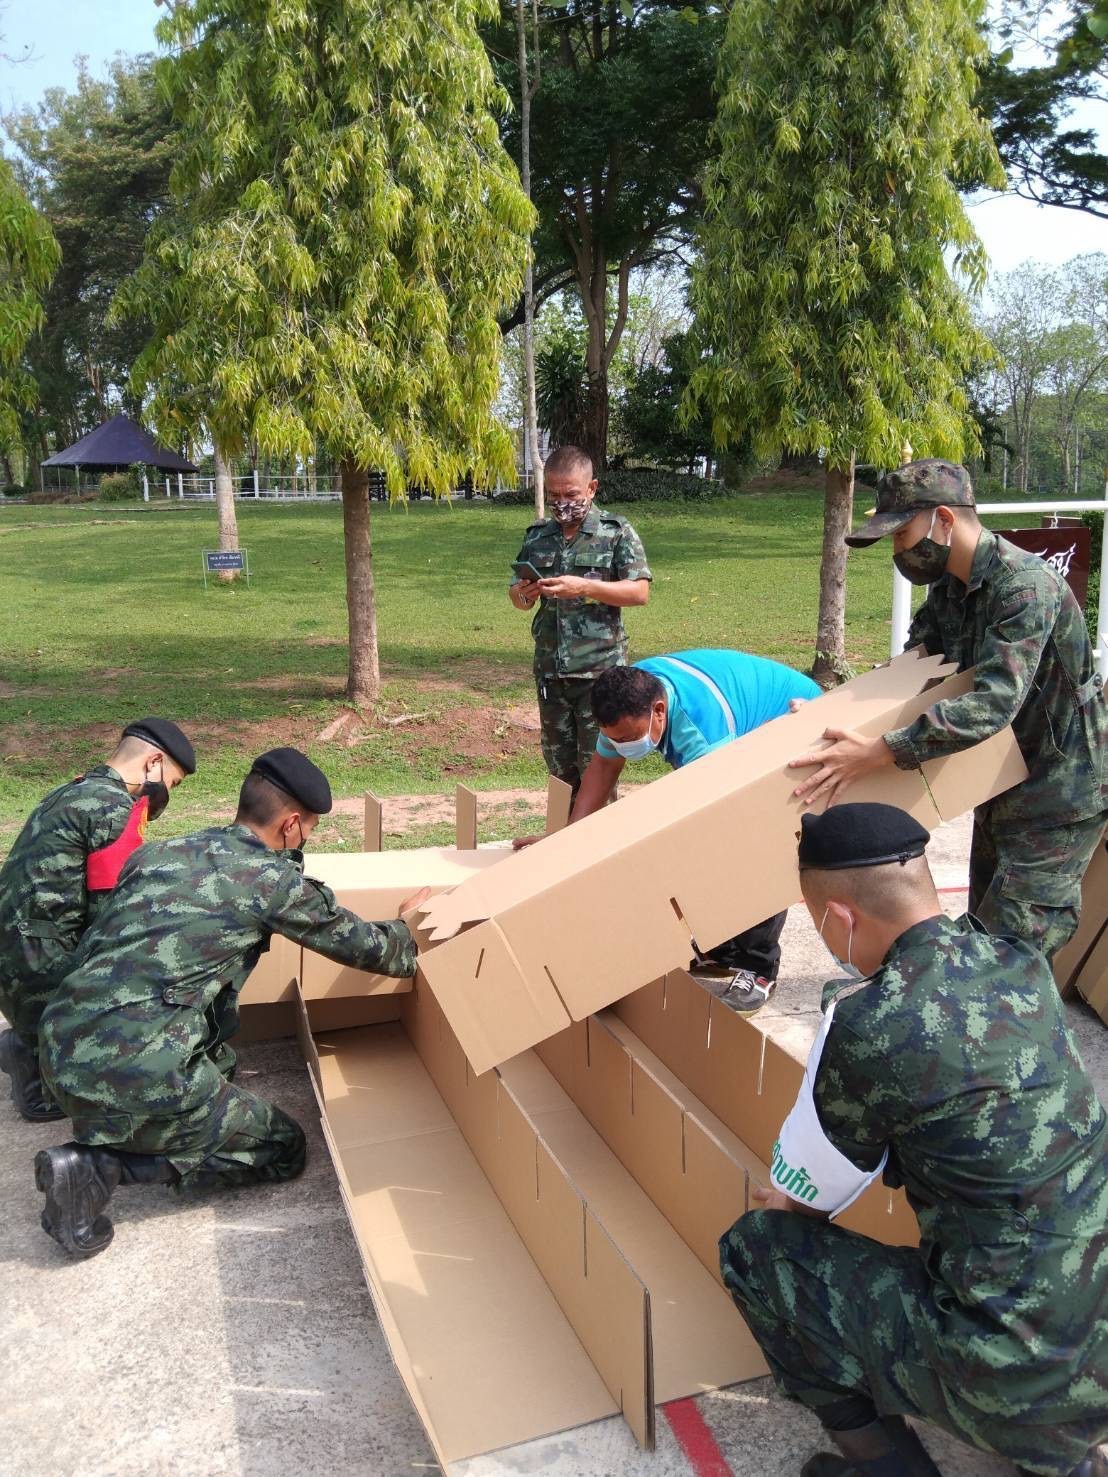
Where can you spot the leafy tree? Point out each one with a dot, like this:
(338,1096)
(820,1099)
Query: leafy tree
(1021,324)
(1048,161)
(650,416)
(823,301)
(96,161)
(348,227)
(617,145)
(28,260)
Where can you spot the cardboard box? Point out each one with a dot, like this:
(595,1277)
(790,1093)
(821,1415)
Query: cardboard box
(516,953)
(1070,960)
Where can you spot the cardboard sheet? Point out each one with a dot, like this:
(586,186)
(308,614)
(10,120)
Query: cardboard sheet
(747,1081)
(567,927)
(1094,919)
(487,1355)
(373,885)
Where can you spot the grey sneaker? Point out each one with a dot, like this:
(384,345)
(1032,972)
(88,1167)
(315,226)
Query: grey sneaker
(747,992)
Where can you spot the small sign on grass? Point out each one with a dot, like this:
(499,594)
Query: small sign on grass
(218,561)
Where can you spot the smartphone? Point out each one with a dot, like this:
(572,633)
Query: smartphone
(526,570)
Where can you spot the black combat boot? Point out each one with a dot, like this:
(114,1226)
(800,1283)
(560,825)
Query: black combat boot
(885,1448)
(20,1063)
(78,1182)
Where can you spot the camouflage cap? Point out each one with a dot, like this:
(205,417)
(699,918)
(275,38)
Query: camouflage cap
(909,489)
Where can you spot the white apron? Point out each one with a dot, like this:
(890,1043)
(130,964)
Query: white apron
(806,1165)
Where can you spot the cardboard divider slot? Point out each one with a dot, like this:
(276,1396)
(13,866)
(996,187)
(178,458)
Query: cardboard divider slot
(746,1080)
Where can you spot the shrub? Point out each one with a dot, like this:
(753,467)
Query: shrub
(118,487)
(637,485)
(13,489)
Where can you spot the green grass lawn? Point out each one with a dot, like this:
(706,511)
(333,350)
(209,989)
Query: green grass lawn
(105,617)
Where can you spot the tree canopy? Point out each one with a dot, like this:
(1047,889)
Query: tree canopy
(825,310)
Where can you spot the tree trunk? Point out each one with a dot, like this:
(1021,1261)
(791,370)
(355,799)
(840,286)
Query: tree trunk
(530,413)
(225,509)
(594,424)
(829,667)
(363,679)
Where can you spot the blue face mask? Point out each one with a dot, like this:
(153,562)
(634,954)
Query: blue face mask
(635,748)
(847,965)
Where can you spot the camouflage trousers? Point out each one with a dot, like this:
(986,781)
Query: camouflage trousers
(1026,884)
(226,1136)
(569,730)
(839,1316)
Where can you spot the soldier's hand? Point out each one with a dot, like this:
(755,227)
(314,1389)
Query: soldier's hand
(770,1199)
(565,587)
(519,842)
(847,758)
(416,900)
(529,589)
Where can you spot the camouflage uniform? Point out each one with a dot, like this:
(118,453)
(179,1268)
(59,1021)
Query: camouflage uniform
(45,905)
(957,1057)
(576,640)
(153,989)
(1020,625)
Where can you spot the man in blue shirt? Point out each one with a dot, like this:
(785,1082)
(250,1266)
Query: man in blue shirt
(684,705)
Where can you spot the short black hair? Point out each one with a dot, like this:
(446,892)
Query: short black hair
(260,801)
(564,461)
(624,692)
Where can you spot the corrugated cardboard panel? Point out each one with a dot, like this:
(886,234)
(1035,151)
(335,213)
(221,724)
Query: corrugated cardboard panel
(559,803)
(748,1081)
(272,977)
(602,1297)
(478,1338)
(1092,982)
(700,1341)
(373,885)
(589,914)
(465,818)
(275,1018)
(1094,919)
(373,833)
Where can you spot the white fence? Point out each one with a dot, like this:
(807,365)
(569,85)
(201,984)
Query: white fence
(902,589)
(322,488)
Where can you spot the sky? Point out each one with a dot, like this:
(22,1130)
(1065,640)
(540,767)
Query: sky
(52,33)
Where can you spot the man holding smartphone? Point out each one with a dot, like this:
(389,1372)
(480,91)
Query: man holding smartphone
(581,566)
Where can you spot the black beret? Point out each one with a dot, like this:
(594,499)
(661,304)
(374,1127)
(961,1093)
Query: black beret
(859,835)
(167,737)
(294,772)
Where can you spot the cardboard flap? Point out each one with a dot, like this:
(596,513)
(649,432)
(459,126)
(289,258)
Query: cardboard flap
(490,1001)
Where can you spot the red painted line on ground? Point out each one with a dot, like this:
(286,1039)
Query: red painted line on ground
(963,888)
(695,1438)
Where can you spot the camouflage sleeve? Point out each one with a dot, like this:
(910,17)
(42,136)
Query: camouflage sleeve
(1021,619)
(858,1109)
(308,913)
(924,631)
(629,562)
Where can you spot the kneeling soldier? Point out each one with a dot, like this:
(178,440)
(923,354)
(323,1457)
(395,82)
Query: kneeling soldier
(64,863)
(127,1042)
(949,1070)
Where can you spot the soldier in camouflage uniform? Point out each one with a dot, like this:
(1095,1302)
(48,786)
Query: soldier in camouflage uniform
(593,564)
(64,862)
(154,986)
(1011,616)
(951,1070)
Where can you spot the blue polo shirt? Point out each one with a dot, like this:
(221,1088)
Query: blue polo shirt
(714,697)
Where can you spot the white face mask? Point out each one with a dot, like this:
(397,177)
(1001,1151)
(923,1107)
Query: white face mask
(635,748)
(847,965)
